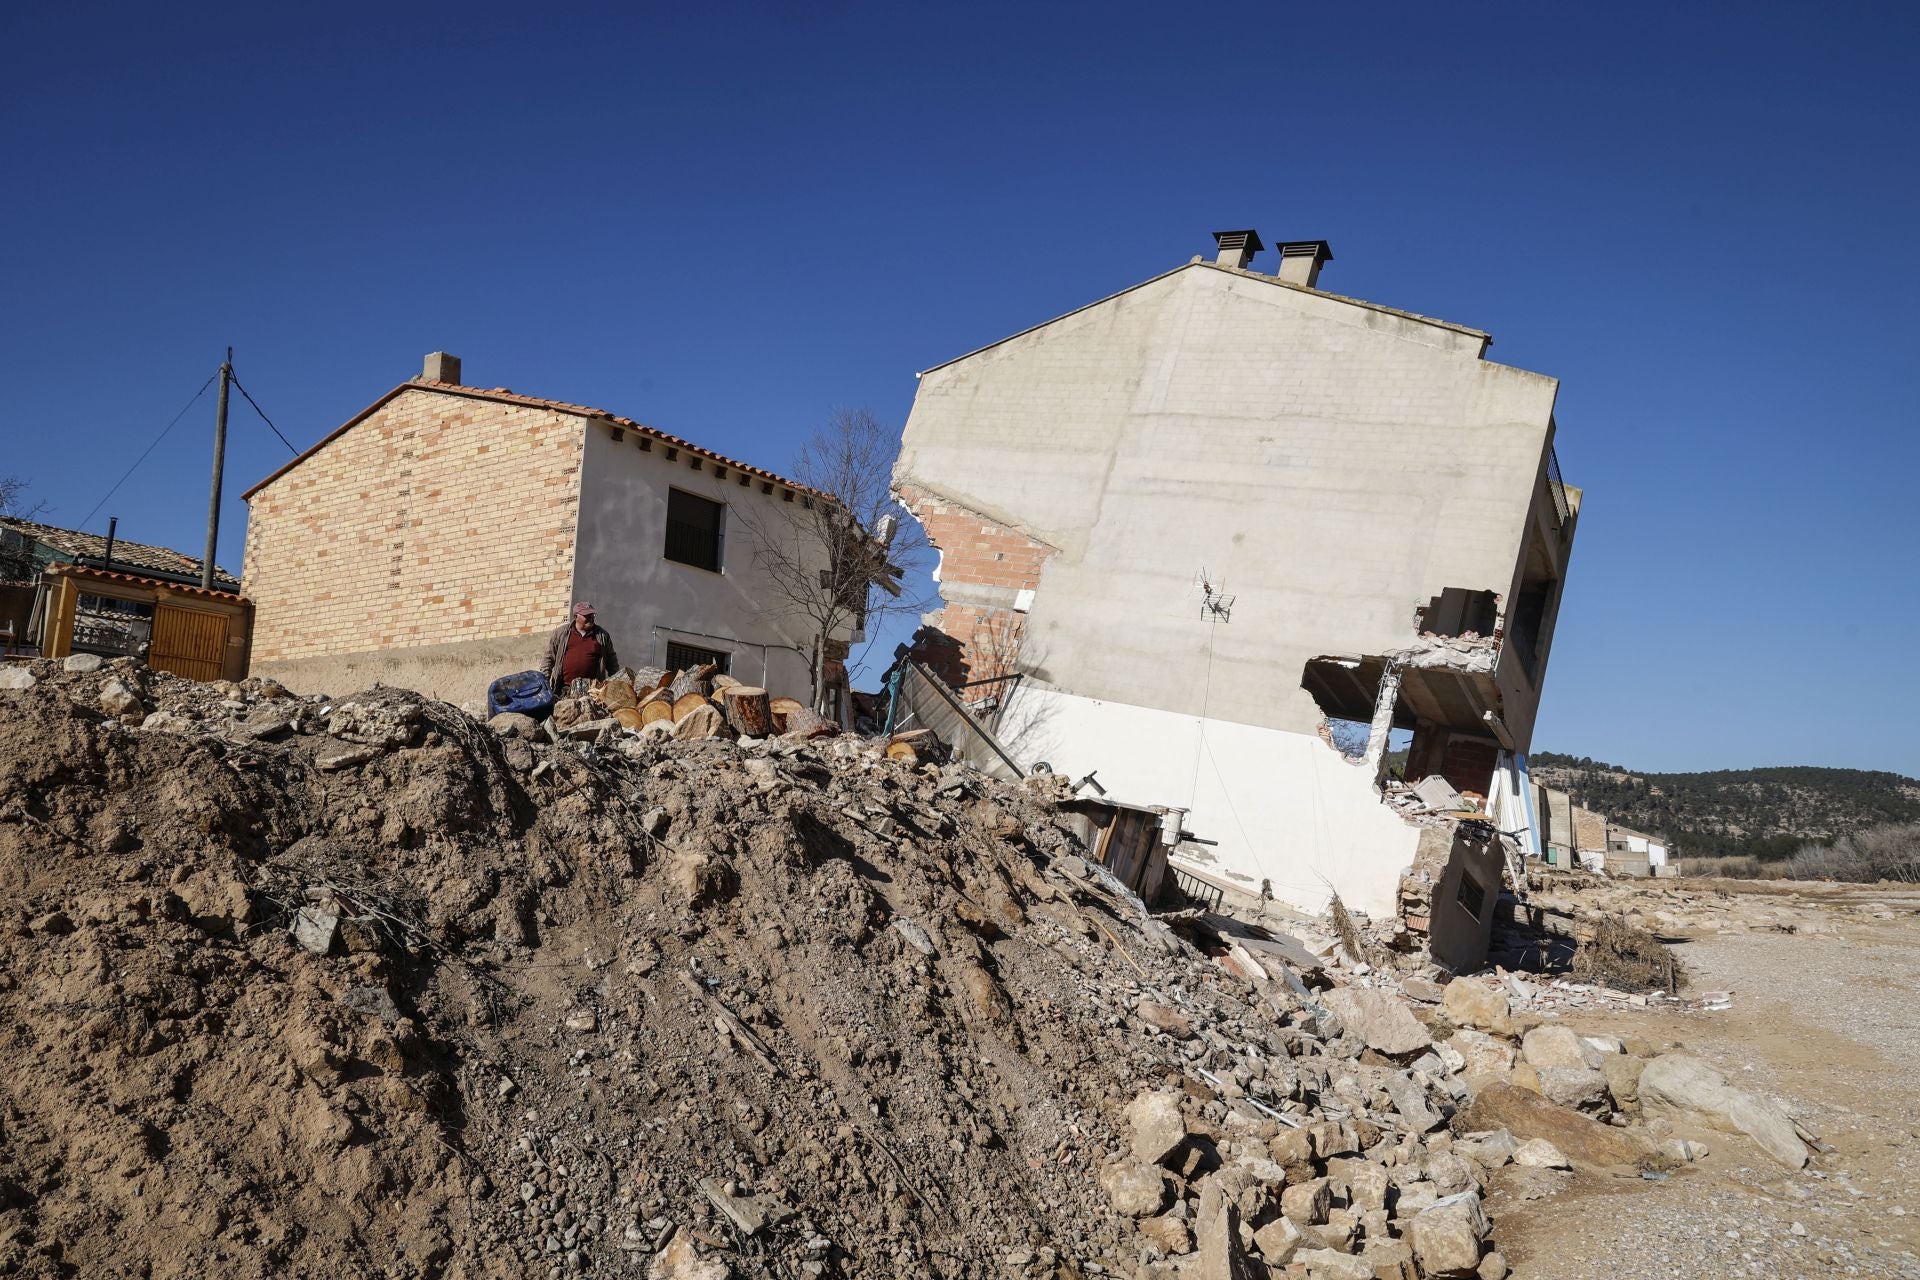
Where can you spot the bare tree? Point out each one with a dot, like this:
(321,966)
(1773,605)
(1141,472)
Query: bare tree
(836,557)
(15,561)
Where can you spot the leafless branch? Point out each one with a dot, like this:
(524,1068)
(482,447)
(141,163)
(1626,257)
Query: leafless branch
(823,556)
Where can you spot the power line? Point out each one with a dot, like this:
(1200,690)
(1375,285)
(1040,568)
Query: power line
(150,448)
(264,418)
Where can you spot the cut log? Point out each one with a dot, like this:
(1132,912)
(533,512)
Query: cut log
(911,735)
(748,710)
(686,702)
(647,678)
(701,722)
(657,711)
(694,681)
(629,717)
(724,682)
(808,723)
(782,708)
(615,693)
(902,751)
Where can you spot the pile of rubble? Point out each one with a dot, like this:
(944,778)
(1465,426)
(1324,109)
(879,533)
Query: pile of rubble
(304,986)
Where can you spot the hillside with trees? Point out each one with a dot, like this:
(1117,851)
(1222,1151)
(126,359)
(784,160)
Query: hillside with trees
(1764,813)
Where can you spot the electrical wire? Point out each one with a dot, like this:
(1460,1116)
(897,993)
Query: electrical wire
(150,448)
(264,418)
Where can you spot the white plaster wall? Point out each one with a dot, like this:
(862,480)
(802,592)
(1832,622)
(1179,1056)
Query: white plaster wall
(1331,465)
(1284,807)
(645,599)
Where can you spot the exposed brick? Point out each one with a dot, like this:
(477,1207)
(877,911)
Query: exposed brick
(436,518)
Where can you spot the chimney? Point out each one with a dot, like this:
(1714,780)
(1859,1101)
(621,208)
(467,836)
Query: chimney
(1237,247)
(441,367)
(1300,261)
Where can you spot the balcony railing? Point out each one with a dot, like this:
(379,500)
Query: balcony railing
(1557,489)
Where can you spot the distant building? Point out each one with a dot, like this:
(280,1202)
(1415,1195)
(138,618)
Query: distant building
(65,591)
(1571,836)
(439,536)
(1222,520)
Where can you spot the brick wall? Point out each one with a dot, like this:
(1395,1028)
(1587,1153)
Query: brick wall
(437,518)
(984,566)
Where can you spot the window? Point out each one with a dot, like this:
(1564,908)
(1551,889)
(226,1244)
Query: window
(683,657)
(1472,896)
(693,530)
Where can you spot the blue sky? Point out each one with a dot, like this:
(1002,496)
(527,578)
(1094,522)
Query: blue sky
(1701,218)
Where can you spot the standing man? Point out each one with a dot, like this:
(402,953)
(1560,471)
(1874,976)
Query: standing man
(580,650)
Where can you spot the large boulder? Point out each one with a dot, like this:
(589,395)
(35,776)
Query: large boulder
(16,678)
(1157,1125)
(1472,1004)
(1623,1077)
(1545,1047)
(1136,1190)
(1580,1087)
(1218,1253)
(1525,1114)
(1379,1020)
(1447,1236)
(1675,1082)
(1485,1055)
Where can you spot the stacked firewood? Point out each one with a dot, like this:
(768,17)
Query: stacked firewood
(692,704)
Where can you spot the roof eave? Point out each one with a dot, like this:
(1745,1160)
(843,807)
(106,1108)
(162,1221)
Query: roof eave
(1486,339)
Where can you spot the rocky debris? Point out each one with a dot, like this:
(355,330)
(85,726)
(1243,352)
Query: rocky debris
(118,698)
(1675,1082)
(732,1007)
(1134,1189)
(1474,1004)
(1378,1020)
(1158,1128)
(1588,1143)
(1447,1235)
(1538,1153)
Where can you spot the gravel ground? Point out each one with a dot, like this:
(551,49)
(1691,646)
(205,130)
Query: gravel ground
(1829,1025)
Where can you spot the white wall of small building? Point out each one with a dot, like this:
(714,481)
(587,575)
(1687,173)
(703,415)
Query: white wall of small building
(646,600)
(1283,807)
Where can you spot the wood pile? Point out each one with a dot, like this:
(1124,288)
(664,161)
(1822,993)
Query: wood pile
(699,702)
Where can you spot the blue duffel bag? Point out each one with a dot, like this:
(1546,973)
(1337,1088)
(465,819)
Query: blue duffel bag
(526,692)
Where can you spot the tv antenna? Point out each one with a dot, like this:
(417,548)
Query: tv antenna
(1215,603)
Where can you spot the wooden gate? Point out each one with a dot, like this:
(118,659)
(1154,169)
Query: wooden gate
(188,642)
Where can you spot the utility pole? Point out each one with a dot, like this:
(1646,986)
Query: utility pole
(219,465)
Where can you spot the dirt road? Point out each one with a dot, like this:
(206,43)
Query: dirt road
(1829,1025)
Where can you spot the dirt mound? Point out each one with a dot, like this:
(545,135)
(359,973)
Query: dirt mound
(308,987)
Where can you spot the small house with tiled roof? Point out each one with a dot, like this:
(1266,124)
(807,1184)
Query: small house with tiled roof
(67,591)
(437,537)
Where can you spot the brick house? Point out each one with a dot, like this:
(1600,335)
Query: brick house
(1244,541)
(437,537)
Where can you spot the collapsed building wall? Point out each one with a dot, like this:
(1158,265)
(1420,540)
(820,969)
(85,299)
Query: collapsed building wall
(1168,503)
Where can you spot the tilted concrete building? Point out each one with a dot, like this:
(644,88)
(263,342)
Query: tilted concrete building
(436,538)
(1222,523)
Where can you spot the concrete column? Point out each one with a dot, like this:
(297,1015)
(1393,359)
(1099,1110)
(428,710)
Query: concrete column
(1382,721)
